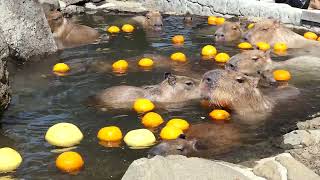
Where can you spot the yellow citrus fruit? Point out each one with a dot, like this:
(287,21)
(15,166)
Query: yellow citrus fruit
(251,25)
(152,120)
(220,21)
(178,56)
(69,162)
(209,51)
(61,68)
(9,159)
(110,133)
(310,35)
(145,62)
(178,39)
(64,135)
(179,123)
(143,105)
(170,132)
(281,75)
(222,57)
(113,29)
(212,20)
(263,46)
(120,66)
(219,114)
(280,47)
(139,138)
(245,45)
(319,38)
(128,28)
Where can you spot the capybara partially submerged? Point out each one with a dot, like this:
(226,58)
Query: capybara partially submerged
(174,89)
(201,140)
(239,93)
(67,34)
(314,4)
(152,20)
(229,31)
(271,31)
(259,64)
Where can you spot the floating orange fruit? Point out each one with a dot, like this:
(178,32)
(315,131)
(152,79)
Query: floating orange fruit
(143,105)
(209,51)
(245,45)
(120,66)
(310,35)
(263,46)
(170,132)
(251,25)
(145,62)
(110,134)
(212,20)
(178,39)
(60,69)
(179,123)
(69,162)
(152,120)
(178,56)
(281,75)
(220,21)
(128,28)
(219,114)
(280,47)
(222,57)
(113,29)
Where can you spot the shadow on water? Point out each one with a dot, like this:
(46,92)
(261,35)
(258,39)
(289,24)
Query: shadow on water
(42,99)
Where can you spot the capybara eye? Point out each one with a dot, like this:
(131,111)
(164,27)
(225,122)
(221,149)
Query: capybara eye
(234,28)
(255,58)
(208,80)
(259,72)
(240,80)
(189,83)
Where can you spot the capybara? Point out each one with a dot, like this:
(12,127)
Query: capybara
(314,4)
(174,89)
(259,64)
(68,34)
(272,31)
(229,31)
(204,139)
(152,20)
(239,93)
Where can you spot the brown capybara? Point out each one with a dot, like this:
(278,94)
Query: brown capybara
(272,31)
(174,89)
(259,64)
(67,34)
(152,21)
(314,4)
(201,140)
(253,63)
(229,31)
(239,93)
(188,19)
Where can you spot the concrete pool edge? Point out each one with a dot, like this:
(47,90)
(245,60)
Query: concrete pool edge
(299,161)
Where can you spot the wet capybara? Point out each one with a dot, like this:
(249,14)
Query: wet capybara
(67,34)
(152,20)
(239,93)
(229,31)
(272,31)
(253,63)
(201,140)
(174,89)
(259,64)
(314,4)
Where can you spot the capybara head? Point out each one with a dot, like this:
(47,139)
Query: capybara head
(264,31)
(178,146)
(231,89)
(55,20)
(154,20)
(229,31)
(253,63)
(178,88)
(188,18)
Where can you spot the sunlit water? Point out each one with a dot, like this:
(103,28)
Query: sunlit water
(41,100)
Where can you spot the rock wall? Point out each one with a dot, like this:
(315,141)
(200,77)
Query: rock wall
(25,29)
(247,8)
(4,79)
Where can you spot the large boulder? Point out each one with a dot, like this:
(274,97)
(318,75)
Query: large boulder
(182,168)
(4,79)
(26,29)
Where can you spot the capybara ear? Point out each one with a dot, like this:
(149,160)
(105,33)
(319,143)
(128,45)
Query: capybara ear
(167,74)
(171,78)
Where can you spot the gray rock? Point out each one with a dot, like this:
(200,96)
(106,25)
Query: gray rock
(5,93)
(180,168)
(312,16)
(25,29)
(310,124)
(296,170)
(73,9)
(300,139)
(309,156)
(73,2)
(269,169)
(49,4)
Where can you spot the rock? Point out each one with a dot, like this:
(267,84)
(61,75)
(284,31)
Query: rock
(310,124)
(270,169)
(309,156)
(300,138)
(5,93)
(73,2)
(52,4)
(296,170)
(96,1)
(180,168)
(73,9)
(25,29)
(311,16)
(129,6)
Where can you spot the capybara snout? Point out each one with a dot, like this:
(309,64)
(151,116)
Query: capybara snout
(154,19)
